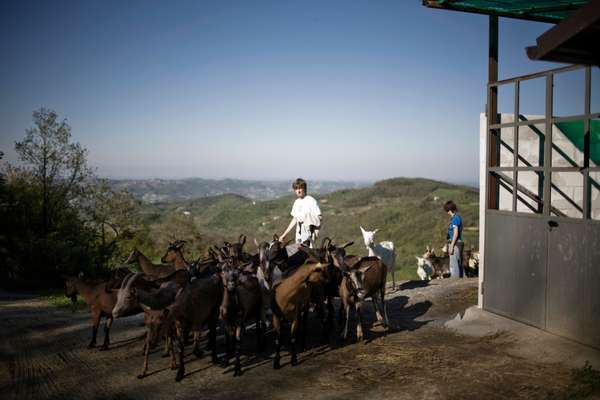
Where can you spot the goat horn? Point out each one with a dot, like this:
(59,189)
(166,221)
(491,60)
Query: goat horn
(133,279)
(127,278)
(325,239)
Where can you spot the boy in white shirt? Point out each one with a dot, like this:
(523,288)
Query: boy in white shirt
(306,215)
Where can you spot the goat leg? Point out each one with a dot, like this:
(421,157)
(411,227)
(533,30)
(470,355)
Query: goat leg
(385,316)
(260,327)
(212,339)
(238,349)
(107,326)
(293,335)
(304,330)
(197,351)
(359,330)
(172,352)
(345,334)
(181,346)
(330,312)
(95,323)
(225,360)
(277,329)
(168,343)
(146,356)
(341,314)
(376,306)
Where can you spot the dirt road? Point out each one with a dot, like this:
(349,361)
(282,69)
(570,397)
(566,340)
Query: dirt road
(43,354)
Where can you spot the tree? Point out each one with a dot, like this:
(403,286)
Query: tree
(57,165)
(42,234)
(113,215)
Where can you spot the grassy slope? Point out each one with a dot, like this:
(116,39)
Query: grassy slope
(404,210)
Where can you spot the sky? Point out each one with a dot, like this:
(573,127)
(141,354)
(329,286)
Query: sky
(328,90)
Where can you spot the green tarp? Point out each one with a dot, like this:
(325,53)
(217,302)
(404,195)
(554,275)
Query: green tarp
(552,11)
(574,131)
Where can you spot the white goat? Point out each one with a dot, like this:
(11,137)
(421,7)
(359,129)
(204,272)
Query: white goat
(384,251)
(424,269)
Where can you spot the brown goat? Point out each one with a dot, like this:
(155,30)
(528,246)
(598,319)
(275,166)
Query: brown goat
(156,325)
(440,265)
(100,303)
(174,256)
(149,268)
(291,298)
(136,290)
(242,302)
(195,305)
(366,278)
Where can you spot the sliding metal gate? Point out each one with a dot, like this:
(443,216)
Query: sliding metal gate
(542,228)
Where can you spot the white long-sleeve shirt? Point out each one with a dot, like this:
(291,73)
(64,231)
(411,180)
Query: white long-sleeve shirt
(307,212)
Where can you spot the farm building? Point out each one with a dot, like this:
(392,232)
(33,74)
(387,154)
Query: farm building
(540,172)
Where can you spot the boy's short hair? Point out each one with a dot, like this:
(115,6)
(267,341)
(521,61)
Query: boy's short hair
(450,206)
(299,184)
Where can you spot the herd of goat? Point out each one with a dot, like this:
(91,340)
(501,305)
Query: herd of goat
(279,283)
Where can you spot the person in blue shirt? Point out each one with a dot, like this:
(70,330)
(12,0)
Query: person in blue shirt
(455,243)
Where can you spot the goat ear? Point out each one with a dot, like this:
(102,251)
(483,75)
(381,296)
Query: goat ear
(180,244)
(375,231)
(256,242)
(287,243)
(242,239)
(275,237)
(365,269)
(350,243)
(362,230)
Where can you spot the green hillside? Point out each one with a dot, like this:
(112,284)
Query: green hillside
(406,211)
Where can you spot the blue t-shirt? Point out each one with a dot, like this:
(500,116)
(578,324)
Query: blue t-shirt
(455,220)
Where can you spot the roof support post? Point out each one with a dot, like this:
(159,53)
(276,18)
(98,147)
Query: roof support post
(548,145)
(492,113)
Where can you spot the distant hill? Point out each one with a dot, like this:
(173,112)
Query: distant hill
(406,211)
(167,190)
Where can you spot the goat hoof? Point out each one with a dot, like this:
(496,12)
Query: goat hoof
(141,376)
(179,376)
(237,372)
(224,363)
(214,360)
(104,347)
(294,361)
(163,355)
(91,345)
(198,353)
(276,364)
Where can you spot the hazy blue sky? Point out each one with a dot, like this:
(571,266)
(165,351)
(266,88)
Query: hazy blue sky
(356,90)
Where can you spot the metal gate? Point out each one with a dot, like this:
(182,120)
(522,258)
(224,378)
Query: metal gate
(542,228)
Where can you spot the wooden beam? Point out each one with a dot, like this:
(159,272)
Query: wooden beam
(492,112)
(574,40)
